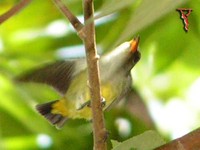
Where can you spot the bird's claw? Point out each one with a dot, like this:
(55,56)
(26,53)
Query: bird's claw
(88,104)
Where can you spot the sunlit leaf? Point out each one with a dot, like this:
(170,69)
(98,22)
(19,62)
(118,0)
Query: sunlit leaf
(146,141)
(109,8)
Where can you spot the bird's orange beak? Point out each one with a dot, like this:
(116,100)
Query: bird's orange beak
(134,44)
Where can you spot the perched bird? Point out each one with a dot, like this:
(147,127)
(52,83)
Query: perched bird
(70,78)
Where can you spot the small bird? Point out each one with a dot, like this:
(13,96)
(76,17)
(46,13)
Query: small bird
(70,79)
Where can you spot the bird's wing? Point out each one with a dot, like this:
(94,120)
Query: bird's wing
(58,74)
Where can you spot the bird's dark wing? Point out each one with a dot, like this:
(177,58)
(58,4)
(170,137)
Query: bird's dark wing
(58,75)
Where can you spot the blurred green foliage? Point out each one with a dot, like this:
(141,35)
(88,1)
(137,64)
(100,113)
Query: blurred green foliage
(168,53)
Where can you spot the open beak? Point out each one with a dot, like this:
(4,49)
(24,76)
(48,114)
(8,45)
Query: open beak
(134,44)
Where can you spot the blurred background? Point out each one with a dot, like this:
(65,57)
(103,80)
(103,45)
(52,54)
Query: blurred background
(165,92)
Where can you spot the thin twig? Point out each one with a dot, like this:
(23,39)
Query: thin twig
(78,26)
(99,130)
(190,141)
(14,10)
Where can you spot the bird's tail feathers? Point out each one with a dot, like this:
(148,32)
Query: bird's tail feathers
(45,110)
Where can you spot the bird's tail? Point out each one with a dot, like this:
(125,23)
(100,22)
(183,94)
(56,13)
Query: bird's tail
(46,110)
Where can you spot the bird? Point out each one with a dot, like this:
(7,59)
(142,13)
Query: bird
(70,79)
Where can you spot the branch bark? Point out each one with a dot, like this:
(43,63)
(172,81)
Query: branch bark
(99,130)
(78,26)
(14,10)
(87,33)
(190,141)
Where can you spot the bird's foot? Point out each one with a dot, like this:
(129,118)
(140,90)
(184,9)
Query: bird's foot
(88,104)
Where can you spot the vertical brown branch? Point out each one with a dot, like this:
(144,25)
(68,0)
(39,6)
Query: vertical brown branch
(14,10)
(87,34)
(99,130)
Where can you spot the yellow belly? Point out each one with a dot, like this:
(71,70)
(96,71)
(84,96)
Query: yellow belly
(68,106)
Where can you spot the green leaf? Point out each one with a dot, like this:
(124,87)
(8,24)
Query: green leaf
(115,143)
(109,8)
(146,141)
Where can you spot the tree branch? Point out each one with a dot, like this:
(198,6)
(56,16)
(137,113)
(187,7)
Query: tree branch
(99,130)
(14,10)
(87,33)
(78,26)
(190,141)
